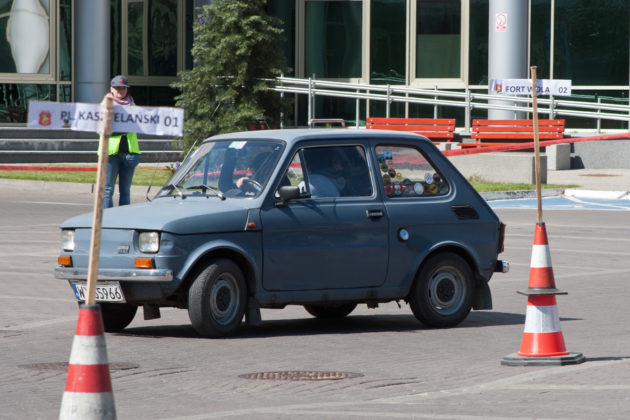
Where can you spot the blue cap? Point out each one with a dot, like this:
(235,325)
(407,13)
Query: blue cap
(120,81)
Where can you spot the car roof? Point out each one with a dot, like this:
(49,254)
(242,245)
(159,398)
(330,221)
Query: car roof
(297,134)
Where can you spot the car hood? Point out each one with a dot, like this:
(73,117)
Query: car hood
(190,215)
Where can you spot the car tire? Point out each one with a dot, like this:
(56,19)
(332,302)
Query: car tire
(116,316)
(330,311)
(442,293)
(216,299)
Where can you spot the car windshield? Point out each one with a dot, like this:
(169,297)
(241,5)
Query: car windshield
(223,169)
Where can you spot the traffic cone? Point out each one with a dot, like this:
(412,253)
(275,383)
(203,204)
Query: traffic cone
(88,393)
(543,342)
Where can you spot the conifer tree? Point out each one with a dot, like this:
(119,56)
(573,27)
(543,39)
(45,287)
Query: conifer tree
(236,55)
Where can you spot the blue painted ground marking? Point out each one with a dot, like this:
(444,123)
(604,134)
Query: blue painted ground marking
(563,203)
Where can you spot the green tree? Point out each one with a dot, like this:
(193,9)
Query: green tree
(236,56)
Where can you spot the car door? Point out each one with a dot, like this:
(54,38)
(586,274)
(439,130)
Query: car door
(334,237)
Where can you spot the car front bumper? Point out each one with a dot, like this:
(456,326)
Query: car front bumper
(144,275)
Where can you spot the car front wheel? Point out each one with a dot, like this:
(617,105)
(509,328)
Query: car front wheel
(216,299)
(442,293)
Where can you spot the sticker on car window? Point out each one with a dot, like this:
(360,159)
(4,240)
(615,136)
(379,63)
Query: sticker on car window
(237,145)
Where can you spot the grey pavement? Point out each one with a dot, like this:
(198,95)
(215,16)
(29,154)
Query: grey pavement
(409,371)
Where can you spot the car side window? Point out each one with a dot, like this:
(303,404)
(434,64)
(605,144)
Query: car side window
(406,172)
(340,171)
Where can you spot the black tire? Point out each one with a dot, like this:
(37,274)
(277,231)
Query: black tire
(442,293)
(217,298)
(330,311)
(116,316)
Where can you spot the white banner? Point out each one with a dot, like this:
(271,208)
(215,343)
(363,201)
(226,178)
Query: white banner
(514,87)
(78,116)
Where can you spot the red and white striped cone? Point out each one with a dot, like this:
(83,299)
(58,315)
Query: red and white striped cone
(543,342)
(88,393)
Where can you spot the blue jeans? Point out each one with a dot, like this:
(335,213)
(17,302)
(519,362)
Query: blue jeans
(120,166)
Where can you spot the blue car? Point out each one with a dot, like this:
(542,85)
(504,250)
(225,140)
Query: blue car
(327,219)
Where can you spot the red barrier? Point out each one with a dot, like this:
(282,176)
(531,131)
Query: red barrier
(530,145)
(60,168)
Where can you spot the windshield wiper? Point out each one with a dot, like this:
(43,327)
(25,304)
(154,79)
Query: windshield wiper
(205,188)
(174,187)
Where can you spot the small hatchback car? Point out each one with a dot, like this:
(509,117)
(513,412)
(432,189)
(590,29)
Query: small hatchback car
(327,219)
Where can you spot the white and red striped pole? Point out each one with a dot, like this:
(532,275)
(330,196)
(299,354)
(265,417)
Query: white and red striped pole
(88,393)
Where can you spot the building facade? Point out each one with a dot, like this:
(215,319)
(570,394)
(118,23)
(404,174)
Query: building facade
(418,43)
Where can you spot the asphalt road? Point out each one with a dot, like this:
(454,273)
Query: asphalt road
(162,370)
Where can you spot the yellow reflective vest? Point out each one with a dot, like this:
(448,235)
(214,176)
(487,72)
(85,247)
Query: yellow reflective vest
(114,143)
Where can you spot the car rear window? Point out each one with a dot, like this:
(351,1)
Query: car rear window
(406,172)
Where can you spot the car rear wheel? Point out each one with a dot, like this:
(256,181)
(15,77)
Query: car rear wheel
(330,311)
(116,316)
(442,293)
(216,299)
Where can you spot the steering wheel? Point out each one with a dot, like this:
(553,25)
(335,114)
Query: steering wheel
(252,186)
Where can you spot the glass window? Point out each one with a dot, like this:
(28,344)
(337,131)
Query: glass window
(25,37)
(14,99)
(152,37)
(388,44)
(333,31)
(407,173)
(478,43)
(336,172)
(541,37)
(438,38)
(285,11)
(591,42)
(65,40)
(235,168)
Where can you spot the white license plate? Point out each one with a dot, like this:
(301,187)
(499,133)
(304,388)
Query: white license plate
(105,291)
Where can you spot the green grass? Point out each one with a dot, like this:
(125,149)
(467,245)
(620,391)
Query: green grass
(157,177)
(482,185)
(142,176)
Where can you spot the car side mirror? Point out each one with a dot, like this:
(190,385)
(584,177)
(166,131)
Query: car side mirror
(286,193)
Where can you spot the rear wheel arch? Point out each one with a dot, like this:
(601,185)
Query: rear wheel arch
(463,253)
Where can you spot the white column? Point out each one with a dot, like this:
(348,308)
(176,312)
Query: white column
(92,50)
(507,47)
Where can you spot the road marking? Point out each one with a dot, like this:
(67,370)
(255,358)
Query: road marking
(38,324)
(45,299)
(53,203)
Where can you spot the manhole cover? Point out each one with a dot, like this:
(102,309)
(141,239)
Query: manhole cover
(64,366)
(301,375)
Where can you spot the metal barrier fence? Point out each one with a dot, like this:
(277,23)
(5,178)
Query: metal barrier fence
(468,100)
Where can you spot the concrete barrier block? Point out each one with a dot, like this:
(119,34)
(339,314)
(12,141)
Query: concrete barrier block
(558,157)
(513,167)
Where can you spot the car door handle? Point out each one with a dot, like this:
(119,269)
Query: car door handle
(374,214)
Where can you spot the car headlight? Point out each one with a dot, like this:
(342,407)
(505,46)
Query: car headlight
(149,242)
(67,240)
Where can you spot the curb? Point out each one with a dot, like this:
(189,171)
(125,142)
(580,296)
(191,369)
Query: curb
(512,195)
(606,195)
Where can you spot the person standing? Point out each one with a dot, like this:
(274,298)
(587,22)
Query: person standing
(124,151)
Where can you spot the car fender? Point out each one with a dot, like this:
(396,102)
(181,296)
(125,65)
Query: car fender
(465,251)
(224,248)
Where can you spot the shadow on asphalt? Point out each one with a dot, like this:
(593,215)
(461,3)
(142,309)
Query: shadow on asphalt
(349,325)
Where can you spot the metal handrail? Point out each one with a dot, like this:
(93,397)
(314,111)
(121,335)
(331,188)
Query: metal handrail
(441,98)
